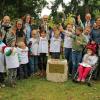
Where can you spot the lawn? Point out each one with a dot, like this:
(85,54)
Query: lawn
(41,89)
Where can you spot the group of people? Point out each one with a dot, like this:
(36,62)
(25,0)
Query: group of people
(24,49)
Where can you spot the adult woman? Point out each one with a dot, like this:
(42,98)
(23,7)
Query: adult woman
(95,36)
(27,24)
(20,34)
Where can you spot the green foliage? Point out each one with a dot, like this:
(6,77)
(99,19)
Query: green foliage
(18,8)
(70,19)
(87,6)
(96,13)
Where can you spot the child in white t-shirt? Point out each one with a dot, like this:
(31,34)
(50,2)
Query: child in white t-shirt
(55,45)
(23,56)
(68,46)
(33,50)
(43,52)
(12,63)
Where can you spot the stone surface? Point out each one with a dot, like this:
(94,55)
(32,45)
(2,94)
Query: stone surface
(57,70)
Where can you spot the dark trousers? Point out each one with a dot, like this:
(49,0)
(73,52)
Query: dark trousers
(22,71)
(2,77)
(11,76)
(43,61)
(55,55)
(68,56)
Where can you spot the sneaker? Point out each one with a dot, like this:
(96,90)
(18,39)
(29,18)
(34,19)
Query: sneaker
(78,80)
(83,80)
(2,85)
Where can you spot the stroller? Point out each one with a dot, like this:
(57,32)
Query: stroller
(91,75)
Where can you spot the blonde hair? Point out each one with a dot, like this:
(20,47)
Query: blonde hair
(20,44)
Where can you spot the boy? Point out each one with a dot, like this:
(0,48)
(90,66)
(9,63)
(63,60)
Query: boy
(68,46)
(33,47)
(77,47)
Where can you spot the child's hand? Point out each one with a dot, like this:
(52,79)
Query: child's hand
(85,61)
(78,18)
(78,42)
(0,49)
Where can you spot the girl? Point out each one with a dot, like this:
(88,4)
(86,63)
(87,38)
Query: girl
(43,51)
(89,60)
(55,45)
(23,56)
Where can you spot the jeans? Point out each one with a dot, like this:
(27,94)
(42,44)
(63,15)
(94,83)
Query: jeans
(76,59)
(22,71)
(34,64)
(68,56)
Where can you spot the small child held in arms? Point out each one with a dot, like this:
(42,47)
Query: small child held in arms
(89,60)
(23,56)
(55,45)
(33,52)
(43,51)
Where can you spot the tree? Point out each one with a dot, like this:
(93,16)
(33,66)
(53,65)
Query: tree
(18,8)
(76,7)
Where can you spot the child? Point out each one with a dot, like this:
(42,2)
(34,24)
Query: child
(89,60)
(33,45)
(68,46)
(43,51)
(86,33)
(12,63)
(23,56)
(92,44)
(55,45)
(77,47)
(2,65)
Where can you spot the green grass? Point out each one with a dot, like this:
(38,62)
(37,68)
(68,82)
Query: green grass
(38,89)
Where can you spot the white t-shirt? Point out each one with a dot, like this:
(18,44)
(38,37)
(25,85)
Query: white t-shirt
(43,45)
(67,40)
(34,46)
(12,60)
(2,69)
(55,44)
(23,55)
